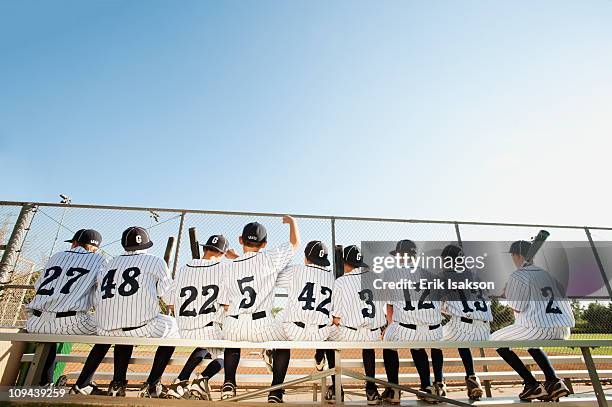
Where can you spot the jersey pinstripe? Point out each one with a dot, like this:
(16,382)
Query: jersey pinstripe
(196,294)
(355,306)
(129,288)
(472,304)
(416,305)
(537,296)
(248,281)
(309,292)
(68,282)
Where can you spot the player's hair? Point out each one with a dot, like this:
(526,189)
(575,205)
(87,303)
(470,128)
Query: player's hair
(87,247)
(210,249)
(257,245)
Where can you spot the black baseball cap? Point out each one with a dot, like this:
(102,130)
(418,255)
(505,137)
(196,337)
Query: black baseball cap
(352,256)
(452,251)
(520,247)
(217,243)
(317,252)
(135,238)
(86,236)
(254,232)
(404,246)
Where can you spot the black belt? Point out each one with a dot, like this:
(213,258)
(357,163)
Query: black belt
(132,328)
(255,315)
(466,320)
(414,327)
(57,314)
(303,325)
(354,329)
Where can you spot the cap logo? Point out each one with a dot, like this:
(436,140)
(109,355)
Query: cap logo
(215,239)
(94,242)
(358,256)
(252,237)
(138,239)
(321,253)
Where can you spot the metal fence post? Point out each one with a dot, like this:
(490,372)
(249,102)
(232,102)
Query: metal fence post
(333,242)
(178,244)
(13,247)
(602,270)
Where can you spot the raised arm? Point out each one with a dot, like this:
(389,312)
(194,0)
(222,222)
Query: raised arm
(294,234)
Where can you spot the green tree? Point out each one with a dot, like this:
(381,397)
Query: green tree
(502,315)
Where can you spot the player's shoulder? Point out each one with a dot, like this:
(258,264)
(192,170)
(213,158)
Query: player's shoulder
(526,274)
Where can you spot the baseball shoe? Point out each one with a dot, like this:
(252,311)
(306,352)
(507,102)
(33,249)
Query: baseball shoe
(89,390)
(117,388)
(373,397)
(474,389)
(392,396)
(319,361)
(179,389)
(201,390)
(330,394)
(266,355)
(555,389)
(228,390)
(428,390)
(275,397)
(153,391)
(532,391)
(61,381)
(440,388)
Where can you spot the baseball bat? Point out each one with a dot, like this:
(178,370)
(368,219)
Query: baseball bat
(338,260)
(169,250)
(536,244)
(195,246)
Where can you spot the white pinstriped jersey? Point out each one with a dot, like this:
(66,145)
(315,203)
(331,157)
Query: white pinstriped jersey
(196,293)
(248,281)
(537,296)
(416,306)
(129,288)
(309,293)
(472,304)
(68,282)
(355,306)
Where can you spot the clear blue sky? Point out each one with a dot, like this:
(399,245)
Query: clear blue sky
(450,109)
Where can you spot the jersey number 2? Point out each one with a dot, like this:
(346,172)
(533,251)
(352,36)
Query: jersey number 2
(192,293)
(550,307)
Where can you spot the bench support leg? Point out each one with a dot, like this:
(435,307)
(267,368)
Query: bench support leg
(485,368)
(338,369)
(588,360)
(359,376)
(38,363)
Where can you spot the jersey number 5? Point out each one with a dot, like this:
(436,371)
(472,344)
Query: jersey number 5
(248,291)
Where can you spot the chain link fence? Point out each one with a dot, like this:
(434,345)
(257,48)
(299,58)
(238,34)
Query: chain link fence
(48,225)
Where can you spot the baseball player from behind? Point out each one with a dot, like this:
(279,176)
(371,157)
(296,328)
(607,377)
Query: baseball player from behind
(413,315)
(542,311)
(247,293)
(199,315)
(129,288)
(65,294)
(470,316)
(307,314)
(358,315)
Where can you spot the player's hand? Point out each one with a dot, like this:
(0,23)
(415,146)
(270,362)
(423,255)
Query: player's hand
(288,219)
(231,254)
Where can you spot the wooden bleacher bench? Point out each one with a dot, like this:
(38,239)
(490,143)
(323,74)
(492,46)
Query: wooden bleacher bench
(343,366)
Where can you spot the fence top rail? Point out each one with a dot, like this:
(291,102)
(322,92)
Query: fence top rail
(303,216)
(205,343)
